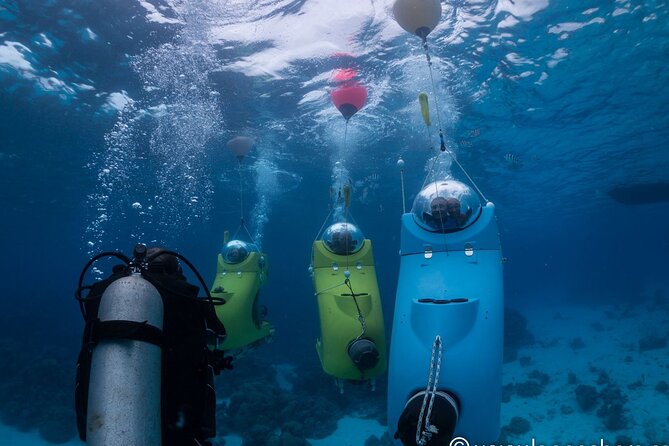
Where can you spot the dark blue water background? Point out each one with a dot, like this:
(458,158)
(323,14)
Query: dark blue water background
(546,117)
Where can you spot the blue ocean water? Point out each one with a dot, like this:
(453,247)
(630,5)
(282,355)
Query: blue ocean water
(115,118)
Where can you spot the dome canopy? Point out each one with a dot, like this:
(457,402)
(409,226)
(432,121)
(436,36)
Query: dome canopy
(236,251)
(446,206)
(343,238)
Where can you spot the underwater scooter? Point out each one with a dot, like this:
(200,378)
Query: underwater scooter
(145,374)
(445,369)
(352,345)
(241,271)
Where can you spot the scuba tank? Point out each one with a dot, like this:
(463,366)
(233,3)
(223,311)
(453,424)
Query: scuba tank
(124,406)
(145,374)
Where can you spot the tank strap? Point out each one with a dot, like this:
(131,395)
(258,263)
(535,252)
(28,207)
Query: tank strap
(131,330)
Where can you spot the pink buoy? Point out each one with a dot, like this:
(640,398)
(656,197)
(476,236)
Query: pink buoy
(349,99)
(344,75)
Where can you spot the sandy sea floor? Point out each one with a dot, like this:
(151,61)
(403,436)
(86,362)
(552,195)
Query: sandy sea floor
(596,345)
(600,347)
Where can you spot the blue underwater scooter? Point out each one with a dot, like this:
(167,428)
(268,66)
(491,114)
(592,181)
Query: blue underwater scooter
(445,368)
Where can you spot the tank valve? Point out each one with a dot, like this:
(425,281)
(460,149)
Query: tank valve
(139,252)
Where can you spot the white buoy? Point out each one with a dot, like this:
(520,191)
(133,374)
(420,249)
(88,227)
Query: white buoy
(418,17)
(400,166)
(240,146)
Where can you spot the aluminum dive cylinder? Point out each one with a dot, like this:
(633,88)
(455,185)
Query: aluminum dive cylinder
(125,379)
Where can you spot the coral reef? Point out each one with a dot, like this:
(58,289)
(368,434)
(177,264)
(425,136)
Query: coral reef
(507,392)
(624,440)
(603,377)
(587,397)
(287,439)
(526,389)
(612,412)
(56,426)
(577,344)
(525,361)
(263,413)
(541,377)
(516,334)
(36,389)
(652,343)
(517,426)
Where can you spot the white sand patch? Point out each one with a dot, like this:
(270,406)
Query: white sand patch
(233,440)
(12,437)
(285,376)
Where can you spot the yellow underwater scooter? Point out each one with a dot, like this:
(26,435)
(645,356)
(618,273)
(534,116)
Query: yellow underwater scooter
(241,272)
(352,345)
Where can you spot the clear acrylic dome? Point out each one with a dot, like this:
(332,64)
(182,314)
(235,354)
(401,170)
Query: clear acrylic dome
(446,206)
(236,251)
(343,238)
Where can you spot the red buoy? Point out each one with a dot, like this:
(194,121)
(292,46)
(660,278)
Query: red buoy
(349,98)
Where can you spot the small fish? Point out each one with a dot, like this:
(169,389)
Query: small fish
(512,159)
(372,178)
